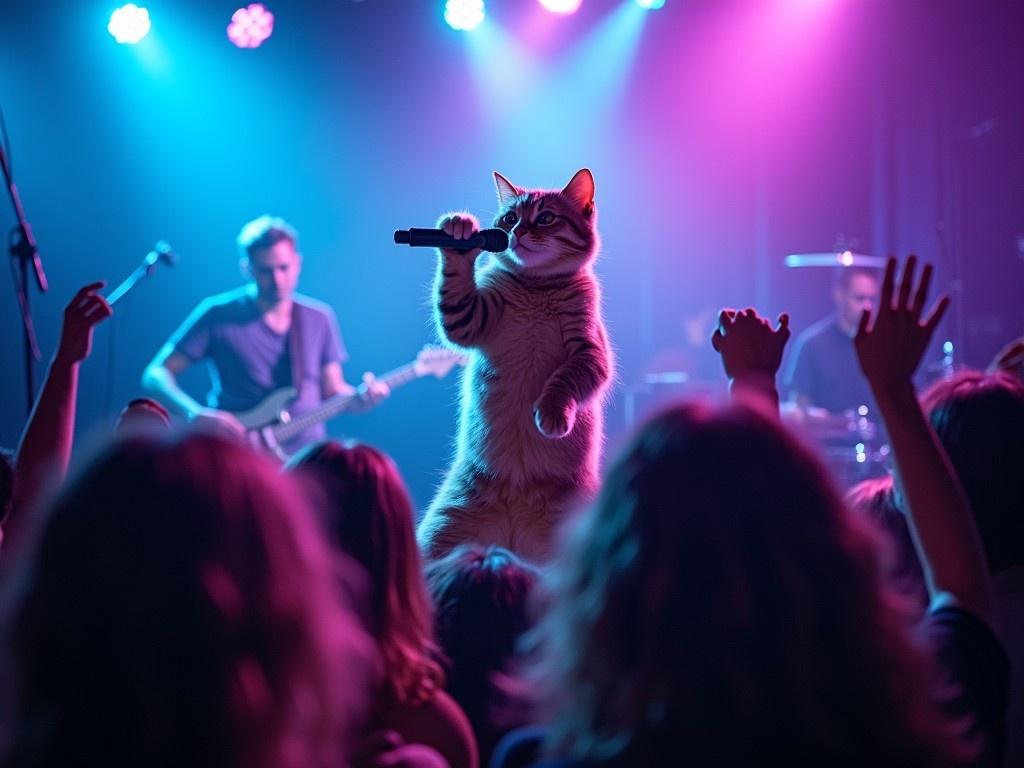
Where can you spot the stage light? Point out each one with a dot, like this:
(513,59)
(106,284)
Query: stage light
(564,7)
(464,15)
(251,26)
(129,24)
(651,5)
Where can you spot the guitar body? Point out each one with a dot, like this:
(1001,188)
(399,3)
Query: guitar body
(259,422)
(273,409)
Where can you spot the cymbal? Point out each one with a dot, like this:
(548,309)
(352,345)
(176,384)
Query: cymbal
(834,259)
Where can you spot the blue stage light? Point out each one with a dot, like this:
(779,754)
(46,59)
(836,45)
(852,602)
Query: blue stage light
(651,5)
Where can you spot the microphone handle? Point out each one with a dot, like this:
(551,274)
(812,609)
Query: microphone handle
(488,239)
(434,238)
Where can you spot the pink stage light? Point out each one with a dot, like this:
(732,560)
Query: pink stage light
(564,7)
(251,26)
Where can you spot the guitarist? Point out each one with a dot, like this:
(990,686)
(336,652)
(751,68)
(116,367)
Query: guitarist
(256,339)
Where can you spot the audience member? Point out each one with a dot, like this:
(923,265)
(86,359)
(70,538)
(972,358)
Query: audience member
(368,516)
(875,500)
(980,420)
(1010,359)
(179,609)
(481,600)
(143,414)
(45,450)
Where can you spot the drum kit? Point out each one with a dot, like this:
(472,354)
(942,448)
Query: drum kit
(851,444)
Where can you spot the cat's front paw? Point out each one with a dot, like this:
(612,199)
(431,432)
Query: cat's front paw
(554,416)
(461,226)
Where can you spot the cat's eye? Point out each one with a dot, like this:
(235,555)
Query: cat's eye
(509,218)
(547,217)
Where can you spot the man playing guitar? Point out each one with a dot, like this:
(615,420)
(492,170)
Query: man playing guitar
(257,339)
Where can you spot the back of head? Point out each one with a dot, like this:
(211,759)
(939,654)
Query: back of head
(719,588)
(178,609)
(482,606)
(979,418)
(368,515)
(875,500)
(143,414)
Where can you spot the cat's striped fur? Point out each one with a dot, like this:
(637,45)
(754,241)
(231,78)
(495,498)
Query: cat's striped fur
(530,423)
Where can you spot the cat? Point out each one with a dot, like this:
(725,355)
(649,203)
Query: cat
(530,428)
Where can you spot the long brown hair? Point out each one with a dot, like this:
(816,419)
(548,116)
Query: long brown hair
(180,608)
(369,516)
(720,600)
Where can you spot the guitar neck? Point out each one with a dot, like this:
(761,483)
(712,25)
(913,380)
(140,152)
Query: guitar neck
(332,406)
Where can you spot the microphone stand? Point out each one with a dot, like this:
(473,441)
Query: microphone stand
(23,250)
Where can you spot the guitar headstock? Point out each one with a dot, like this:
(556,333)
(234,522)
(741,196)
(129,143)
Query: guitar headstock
(437,361)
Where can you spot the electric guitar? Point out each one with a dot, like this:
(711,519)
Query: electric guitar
(270,424)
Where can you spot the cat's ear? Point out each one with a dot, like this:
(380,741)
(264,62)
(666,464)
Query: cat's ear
(507,191)
(580,190)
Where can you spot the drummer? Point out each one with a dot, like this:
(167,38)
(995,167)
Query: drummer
(822,372)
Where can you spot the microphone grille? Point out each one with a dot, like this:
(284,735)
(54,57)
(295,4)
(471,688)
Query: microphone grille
(495,240)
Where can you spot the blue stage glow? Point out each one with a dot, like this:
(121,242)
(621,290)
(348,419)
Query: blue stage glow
(651,5)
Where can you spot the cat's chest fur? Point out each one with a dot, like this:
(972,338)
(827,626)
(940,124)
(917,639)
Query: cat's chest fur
(529,342)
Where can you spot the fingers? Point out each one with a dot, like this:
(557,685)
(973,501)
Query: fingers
(87,289)
(935,317)
(459,226)
(96,309)
(885,302)
(783,325)
(726,321)
(907,282)
(922,291)
(862,325)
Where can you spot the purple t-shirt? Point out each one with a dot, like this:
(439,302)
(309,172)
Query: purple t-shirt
(248,360)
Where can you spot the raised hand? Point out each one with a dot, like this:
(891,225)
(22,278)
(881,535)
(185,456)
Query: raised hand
(891,347)
(85,311)
(461,226)
(748,344)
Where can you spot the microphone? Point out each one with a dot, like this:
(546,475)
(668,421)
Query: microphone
(161,254)
(493,240)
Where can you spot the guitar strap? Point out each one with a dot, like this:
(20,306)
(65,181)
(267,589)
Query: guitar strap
(296,348)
